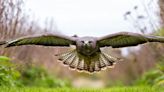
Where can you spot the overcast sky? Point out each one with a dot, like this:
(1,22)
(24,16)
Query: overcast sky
(86,17)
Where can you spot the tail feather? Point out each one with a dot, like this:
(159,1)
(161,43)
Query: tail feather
(89,64)
(110,58)
(74,62)
(86,67)
(69,60)
(81,65)
(65,57)
(102,62)
(105,60)
(97,66)
(92,67)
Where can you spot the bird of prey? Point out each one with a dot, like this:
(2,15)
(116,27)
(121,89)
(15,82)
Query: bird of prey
(87,56)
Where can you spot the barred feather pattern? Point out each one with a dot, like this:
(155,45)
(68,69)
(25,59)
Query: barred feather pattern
(88,64)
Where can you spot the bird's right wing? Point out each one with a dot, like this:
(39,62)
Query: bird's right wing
(45,40)
(124,39)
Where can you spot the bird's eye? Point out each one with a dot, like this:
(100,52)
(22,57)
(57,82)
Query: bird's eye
(82,41)
(90,42)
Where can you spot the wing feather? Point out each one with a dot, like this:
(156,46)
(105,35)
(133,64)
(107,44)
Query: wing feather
(123,39)
(45,40)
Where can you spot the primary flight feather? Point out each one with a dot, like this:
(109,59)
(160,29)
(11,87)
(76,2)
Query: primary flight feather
(87,55)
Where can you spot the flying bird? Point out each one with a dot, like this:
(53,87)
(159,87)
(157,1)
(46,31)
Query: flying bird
(87,56)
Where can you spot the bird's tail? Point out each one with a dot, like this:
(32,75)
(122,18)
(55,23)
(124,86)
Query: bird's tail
(87,64)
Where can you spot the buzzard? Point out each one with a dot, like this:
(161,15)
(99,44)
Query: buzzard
(87,56)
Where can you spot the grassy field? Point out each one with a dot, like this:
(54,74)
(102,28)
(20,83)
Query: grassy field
(114,89)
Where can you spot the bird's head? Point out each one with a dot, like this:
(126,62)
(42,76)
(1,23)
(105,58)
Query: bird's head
(86,44)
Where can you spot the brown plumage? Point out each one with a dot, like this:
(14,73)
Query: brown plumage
(87,56)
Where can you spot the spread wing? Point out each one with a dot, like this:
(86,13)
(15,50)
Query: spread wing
(124,39)
(45,40)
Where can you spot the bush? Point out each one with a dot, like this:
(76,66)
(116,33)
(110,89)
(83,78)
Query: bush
(154,77)
(38,77)
(8,73)
(33,76)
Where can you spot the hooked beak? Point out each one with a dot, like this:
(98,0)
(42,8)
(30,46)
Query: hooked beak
(86,44)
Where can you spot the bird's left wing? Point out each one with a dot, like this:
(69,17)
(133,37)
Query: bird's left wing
(124,39)
(43,39)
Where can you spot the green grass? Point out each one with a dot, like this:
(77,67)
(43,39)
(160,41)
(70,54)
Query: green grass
(113,89)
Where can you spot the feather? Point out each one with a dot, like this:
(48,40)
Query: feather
(86,67)
(80,65)
(65,55)
(97,66)
(126,39)
(110,58)
(105,60)
(102,63)
(43,39)
(91,67)
(69,60)
(92,64)
(74,63)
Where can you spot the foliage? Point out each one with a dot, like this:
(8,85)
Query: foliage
(30,76)
(117,83)
(8,73)
(151,78)
(38,76)
(154,77)
(114,89)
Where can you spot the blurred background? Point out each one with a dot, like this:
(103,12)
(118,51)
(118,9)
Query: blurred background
(37,65)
